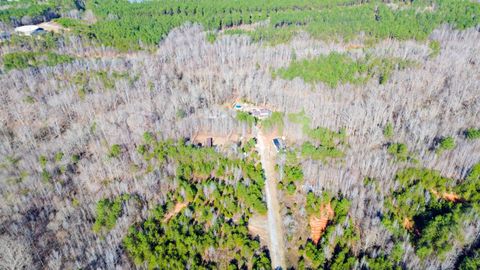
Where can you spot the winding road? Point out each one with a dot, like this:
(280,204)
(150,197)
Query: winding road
(267,156)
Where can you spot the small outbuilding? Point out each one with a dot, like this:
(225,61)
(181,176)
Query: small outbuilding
(279,144)
(29,30)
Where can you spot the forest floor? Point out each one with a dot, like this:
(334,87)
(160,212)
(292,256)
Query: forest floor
(267,155)
(258,225)
(52,27)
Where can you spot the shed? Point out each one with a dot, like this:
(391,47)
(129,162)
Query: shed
(279,144)
(28,30)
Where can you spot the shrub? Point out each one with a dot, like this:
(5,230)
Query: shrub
(434,47)
(447,143)
(388,130)
(108,211)
(275,120)
(399,151)
(115,151)
(247,118)
(211,37)
(472,133)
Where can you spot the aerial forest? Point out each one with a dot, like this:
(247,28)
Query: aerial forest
(165,134)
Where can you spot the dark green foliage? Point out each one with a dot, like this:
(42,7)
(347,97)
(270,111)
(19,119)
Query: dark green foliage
(343,257)
(436,221)
(291,175)
(22,60)
(43,161)
(70,23)
(336,68)
(40,43)
(209,222)
(388,131)
(327,137)
(471,262)
(381,262)
(262,261)
(46,176)
(340,206)
(470,188)
(247,118)
(435,47)
(115,151)
(379,21)
(181,113)
(272,36)
(331,69)
(300,118)
(148,22)
(328,141)
(15,13)
(183,240)
(108,211)
(274,121)
(447,143)
(399,151)
(397,253)
(205,163)
(321,152)
(136,25)
(59,156)
(436,237)
(249,146)
(211,37)
(472,133)
(108,79)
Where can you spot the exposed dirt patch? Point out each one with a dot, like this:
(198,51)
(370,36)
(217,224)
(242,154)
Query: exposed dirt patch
(407,224)
(217,139)
(448,196)
(52,27)
(318,224)
(178,207)
(258,226)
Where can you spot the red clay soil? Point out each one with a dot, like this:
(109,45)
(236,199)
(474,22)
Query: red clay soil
(319,224)
(407,224)
(448,196)
(178,207)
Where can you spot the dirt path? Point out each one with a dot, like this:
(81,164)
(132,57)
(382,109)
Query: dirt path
(276,242)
